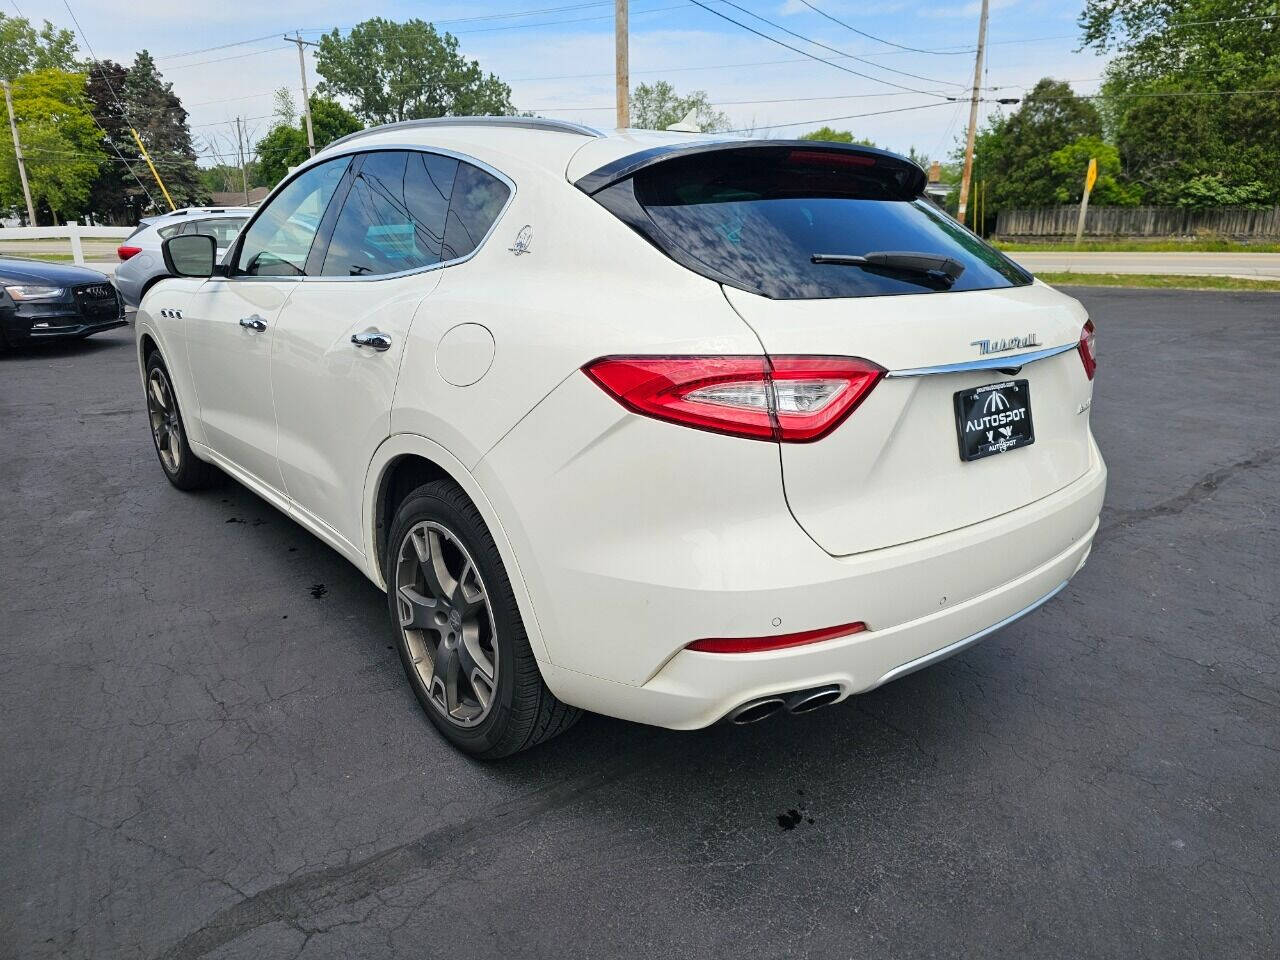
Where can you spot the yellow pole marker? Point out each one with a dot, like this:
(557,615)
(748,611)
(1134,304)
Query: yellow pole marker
(1090,178)
(147,157)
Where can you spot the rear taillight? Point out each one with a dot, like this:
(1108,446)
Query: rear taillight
(1088,353)
(790,399)
(776,642)
(125,252)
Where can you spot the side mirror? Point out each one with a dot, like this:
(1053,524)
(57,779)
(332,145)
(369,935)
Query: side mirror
(192,255)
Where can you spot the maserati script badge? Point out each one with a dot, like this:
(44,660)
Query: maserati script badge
(1009,343)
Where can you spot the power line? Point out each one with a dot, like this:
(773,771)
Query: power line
(123,113)
(781,43)
(851,116)
(871,36)
(817,43)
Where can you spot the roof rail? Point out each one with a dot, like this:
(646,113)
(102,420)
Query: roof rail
(527,123)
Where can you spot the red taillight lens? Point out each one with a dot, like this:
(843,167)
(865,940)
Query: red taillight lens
(1088,352)
(829,158)
(125,252)
(757,644)
(790,399)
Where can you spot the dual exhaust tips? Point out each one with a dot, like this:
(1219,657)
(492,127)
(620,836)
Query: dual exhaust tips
(801,701)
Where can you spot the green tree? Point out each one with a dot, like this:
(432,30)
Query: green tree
(835,136)
(658,106)
(406,71)
(1184,134)
(285,145)
(1071,163)
(24,49)
(155,111)
(1012,153)
(59,140)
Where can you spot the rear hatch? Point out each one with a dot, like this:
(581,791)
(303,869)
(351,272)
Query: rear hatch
(810,244)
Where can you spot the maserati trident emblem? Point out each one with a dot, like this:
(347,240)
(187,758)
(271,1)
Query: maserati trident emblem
(524,240)
(1008,343)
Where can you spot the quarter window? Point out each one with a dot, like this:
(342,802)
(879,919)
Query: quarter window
(394,216)
(478,198)
(279,240)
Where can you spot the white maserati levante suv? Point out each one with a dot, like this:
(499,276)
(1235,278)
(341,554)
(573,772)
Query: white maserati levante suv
(676,429)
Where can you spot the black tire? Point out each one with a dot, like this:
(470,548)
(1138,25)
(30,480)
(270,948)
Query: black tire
(521,711)
(180,465)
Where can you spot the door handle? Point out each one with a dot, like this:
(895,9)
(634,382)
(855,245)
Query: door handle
(254,322)
(372,338)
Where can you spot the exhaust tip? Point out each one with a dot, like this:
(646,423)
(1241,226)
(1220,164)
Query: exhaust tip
(807,700)
(755,710)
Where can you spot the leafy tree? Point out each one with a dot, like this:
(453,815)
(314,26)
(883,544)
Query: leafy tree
(157,114)
(835,136)
(285,145)
(118,194)
(59,140)
(406,71)
(24,49)
(658,106)
(1071,163)
(1169,96)
(1013,153)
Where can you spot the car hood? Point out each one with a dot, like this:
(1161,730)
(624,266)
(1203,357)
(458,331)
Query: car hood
(18,270)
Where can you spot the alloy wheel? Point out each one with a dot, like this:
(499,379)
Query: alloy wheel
(166,427)
(447,623)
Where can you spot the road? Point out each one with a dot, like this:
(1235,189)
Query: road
(209,749)
(1262,265)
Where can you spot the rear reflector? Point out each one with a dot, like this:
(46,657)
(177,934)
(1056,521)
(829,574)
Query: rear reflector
(789,399)
(125,252)
(757,644)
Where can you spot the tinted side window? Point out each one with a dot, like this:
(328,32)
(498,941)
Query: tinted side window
(393,218)
(223,229)
(278,242)
(478,198)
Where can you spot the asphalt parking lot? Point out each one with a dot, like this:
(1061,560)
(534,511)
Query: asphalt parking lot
(209,750)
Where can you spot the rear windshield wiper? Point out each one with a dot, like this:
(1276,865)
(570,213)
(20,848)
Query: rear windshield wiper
(934,266)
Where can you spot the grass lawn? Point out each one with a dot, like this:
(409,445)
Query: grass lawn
(1141,246)
(1170,281)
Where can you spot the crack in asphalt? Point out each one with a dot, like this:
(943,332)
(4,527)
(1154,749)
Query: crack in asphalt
(316,891)
(1202,489)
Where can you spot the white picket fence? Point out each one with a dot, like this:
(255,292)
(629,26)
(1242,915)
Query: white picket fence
(72,232)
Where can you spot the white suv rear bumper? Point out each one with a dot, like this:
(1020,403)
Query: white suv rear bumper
(694,689)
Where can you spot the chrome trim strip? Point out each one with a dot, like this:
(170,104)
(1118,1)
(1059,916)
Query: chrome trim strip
(524,123)
(1014,361)
(951,649)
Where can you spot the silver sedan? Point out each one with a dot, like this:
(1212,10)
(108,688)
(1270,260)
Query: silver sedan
(141,261)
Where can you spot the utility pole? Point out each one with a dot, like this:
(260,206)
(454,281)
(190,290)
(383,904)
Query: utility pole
(244,176)
(17,152)
(306,97)
(973,115)
(622,67)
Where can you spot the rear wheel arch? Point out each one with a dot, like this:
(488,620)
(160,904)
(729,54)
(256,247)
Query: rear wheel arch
(402,464)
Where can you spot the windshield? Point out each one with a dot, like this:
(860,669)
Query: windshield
(759,223)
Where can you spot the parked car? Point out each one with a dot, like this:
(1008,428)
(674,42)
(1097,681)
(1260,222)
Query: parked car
(676,429)
(54,301)
(141,264)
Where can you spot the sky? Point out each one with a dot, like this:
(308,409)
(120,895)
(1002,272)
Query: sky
(558,56)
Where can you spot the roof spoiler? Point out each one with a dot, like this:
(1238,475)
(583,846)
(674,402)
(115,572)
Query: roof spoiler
(909,179)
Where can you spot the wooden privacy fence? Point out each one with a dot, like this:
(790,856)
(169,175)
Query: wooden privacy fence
(1234,222)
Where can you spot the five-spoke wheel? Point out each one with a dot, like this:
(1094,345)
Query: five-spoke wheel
(166,427)
(447,622)
(458,627)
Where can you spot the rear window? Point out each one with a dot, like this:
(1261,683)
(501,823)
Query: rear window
(755,220)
